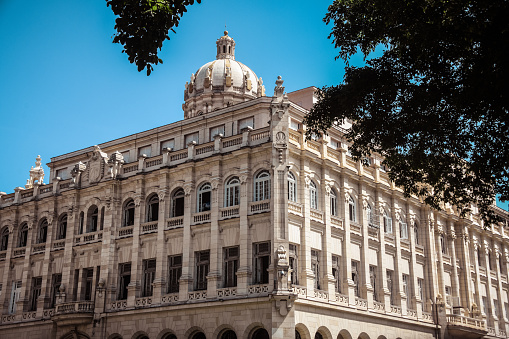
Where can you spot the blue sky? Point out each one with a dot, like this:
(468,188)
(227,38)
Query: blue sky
(65,86)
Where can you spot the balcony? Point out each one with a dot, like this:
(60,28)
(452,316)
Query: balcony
(126,231)
(74,313)
(149,227)
(229,212)
(295,208)
(459,326)
(259,206)
(174,222)
(88,238)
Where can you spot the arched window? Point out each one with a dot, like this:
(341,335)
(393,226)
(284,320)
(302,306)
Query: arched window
(262,186)
(129,213)
(92,219)
(351,209)
(313,195)
(443,244)
(101,224)
(224,49)
(204,197)
(153,208)
(23,235)
(4,241)
(231,193)
(297,335)
(387,223)
(292,188)
(81,222)
(177,203)
(199,335)
(403,229)
(318,335)
(62,227)
(43,232)
(229,335)
(416,233)
(369,215)
(170,336)
(333,202)
(261,333)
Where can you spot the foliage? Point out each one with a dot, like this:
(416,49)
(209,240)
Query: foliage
(143,25)
(434,104)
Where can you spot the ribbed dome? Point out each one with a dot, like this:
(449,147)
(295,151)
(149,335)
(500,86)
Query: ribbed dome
(221,83)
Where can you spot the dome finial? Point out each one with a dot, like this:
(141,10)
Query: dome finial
(225,47)
(225,33)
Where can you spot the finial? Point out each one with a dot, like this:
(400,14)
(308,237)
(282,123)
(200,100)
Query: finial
(225,32)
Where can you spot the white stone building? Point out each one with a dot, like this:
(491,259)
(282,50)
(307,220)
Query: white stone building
(229,224)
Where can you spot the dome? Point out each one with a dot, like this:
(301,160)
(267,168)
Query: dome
(221,83)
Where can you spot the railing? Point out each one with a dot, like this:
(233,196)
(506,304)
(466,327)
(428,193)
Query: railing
(197,295)
(204,149)
(178,155)
(301,291)
(446,259)
(118,305)
(8,318)
(232,142)
(316,214)
(170,298)
(46,189)
(58,244)
(313,145)
(201,217)
(482,270)
(76,307)
(503,278)
(260,206)
(257,289)
(259,135)
(19,252)
(321,294)
(149,227)
(88,238)
(174,222)
(143,302)
(355,228)
(226,292)
(336,221)
(378,306)
(126,231)
(342,299)
(411,313)
(501,333)
(29,315)
(395,309)
(27,194)
(405,244)
(154,162)
(64,185)
(38,248)
(427,316)
(3,255)
(130,168)
(465,321)
(361,303)
(9,198)
(294,136)
(48,313)
(229,212)
(295,208)
(419,249)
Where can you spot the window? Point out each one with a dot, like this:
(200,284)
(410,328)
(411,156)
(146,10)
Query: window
(126,154)
(506,308)
(231,195)
(124,280)
(501,264)
(489,261)
(495,308)
(403,230)
(88,283)
(153,208)
(336,272)
(216,131)
(56,281)
(170,144)
(313,195)
(372,280)
(292,187)
(261,262)
(406,290)
(294,124)
(231,264)
(485,305)
(247,122)
(369,216)
(174,273)
(334,144)
(43,232)
(390,286)
(145,150)
(294,262)
(23,235)
(62,227)
(416,233)
(387,223)
(262,186)
(177,203)
(81,222)
(333,203)
(93,218)
(355,277)
(479,258)
(315,267)
(149,274)
(351,208)
(35,292)
(202,269)
(192,137)
(318,335)
(129,213)
(229,334)
(443,244)
(420,287)
(63,173)
(204,197)
(16,291)
(4,242)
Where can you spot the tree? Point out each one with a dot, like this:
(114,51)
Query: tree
(143,25)
(434,104)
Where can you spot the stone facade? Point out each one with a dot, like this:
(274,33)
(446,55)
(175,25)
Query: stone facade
(229,224)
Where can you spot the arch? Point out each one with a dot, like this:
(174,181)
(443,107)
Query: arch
(23,235)
(228,334)
(62,227)
(232,192)
(4,238)
(177,202)
(75,334)
(193,331)
(128,208)
(204,197)
(292,187)
(251,329)
(324,332)
(260,333)
(152,207)
(115,336)
(344,334)
(383,337)
(140,335)
(416,234)
(313,195)
(363,335)
(262,185)
(92,219)
(303,331)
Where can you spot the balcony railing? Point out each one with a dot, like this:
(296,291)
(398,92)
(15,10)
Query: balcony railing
(126,231)
(201,217)
(316,215)
(259,206)
(149,227)
(87,238)
(3,255)
(229,212)
(227,292)
(336,221)
(58,244)
(39,248)
(456,319)
(19,252)
(75,307)
(174,222)
(295,208)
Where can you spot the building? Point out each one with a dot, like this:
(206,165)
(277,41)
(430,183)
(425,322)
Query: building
(229,224)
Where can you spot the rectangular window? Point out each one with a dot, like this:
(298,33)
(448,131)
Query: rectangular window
(315,267)
(145,150)
(261,262)
(87,283)
(506,307)
(448,297)
(149,274)
(56,281)
(247,122)
(336,272)
(406,290)
(126,154)
(231,264)
(372,280)
(192,137)
(124,280)
(334,144)
(16,290)
(355,277)
(387,224)
(174,273)
(495,308)
(216,131)
(63,173)
(390,285)
(35,293)
(294,124)
(420,287)
(202,269)
(294,264)
(167,144)
(485,305)
(403,230)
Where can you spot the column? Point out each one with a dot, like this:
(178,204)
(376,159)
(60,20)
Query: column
(454,278)
(45,297)
(416,302)
(214,276)
(186,279)
(134,287)
(348,284)
(367,289)
(161,252)
(24,298)
(501,322)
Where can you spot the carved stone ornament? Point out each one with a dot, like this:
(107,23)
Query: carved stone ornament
(307,180)
(328,188)
(30,224)
(11,228)
(243,178)
(281,139)
(137,200)
(161,194)
(381,208)
(279,89)
(281,255)
(188,187)
(96,165)
(215,183)
(36,174)
(49,218)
